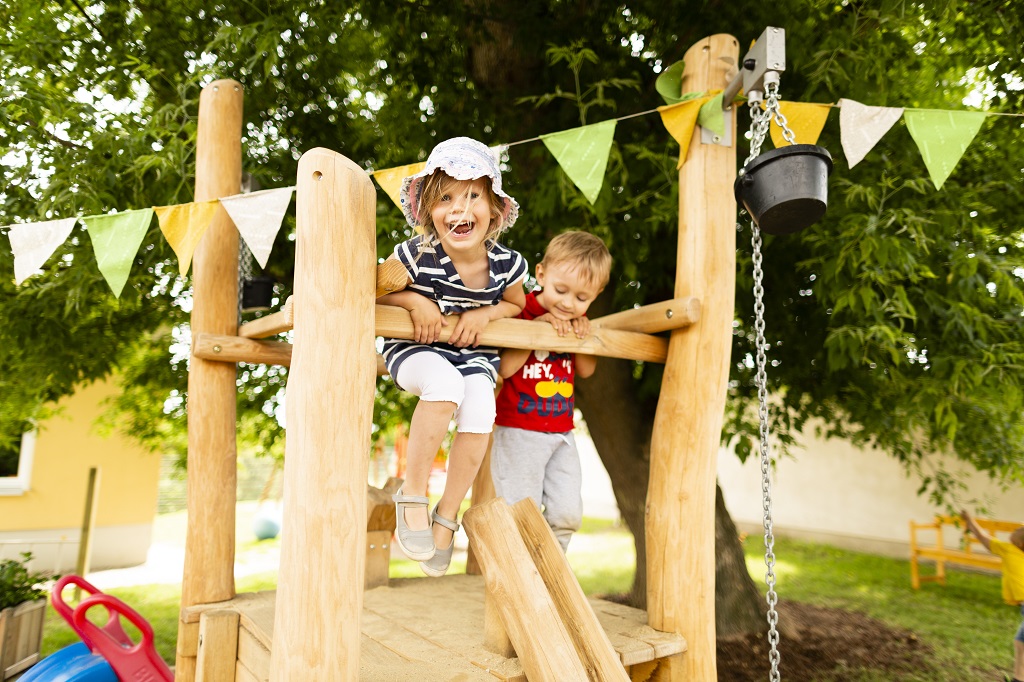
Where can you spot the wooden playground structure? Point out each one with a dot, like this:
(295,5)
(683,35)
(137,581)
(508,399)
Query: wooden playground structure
(525,617)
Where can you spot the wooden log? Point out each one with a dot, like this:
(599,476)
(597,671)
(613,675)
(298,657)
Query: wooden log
(212,467)
(394,322)
(531,619)
(378,558)
(238,349)
(391,277)
(590,639)
(323,540)
(680,521)
(656,317)
(218,646)
(224,348)
(269,325)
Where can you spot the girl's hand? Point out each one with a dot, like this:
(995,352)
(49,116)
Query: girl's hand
(427,321)
(471,324)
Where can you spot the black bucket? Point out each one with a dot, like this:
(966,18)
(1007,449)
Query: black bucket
(257,293)
(785,190)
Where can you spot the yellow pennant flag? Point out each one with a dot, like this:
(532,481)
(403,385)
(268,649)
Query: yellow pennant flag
(805,120)
(680,120)
(390,179)
(183,226)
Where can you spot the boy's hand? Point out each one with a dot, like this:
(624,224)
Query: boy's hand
(471,324)
(427,321)
(580,326)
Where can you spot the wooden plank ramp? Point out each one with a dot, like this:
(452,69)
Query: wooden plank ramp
(431,630)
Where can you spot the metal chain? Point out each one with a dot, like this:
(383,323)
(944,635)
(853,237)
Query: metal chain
(759,123)
(765,451)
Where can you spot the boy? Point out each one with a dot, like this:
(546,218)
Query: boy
(534,453)
(1012,553)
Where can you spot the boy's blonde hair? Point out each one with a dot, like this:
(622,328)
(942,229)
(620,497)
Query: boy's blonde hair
(581,252)
(439,183)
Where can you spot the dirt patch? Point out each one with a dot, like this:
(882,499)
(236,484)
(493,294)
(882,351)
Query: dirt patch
(819,642)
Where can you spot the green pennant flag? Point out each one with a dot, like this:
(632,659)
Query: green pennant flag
(942,137)
(115,240)
(712,116)
(583,154)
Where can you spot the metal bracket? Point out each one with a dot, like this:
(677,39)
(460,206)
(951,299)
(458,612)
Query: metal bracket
(768,53)
(710,137)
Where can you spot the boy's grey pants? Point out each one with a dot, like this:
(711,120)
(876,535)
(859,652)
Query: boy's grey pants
(544,467)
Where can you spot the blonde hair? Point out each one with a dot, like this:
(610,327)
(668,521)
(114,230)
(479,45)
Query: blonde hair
(436,185)
(583,253)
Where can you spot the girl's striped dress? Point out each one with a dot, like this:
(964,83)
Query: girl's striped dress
(434,276)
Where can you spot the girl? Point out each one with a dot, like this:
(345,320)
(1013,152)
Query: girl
(455,266)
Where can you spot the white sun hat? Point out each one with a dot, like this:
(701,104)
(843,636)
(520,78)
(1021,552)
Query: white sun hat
(462,158)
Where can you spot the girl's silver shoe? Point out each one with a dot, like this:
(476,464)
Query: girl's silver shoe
(418,545)
(437,565)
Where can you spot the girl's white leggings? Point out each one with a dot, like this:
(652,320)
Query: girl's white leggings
(432,378)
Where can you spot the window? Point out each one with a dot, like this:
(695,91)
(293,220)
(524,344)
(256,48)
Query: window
(16,462)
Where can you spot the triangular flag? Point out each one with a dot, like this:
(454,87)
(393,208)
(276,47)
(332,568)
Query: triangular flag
(670,84)
(33,243)
(861,127)
(804,119)
(942,137)
(680,120)
(115,240)
(712,116)
(390,179)
(258,217)
(583,154)
(183,226)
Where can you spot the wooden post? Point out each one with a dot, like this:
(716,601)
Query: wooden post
(680,519)
(329,414)
(218,646)
(92,491)
(483,491)
(210,539)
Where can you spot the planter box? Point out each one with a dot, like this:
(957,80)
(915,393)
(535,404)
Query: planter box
(21,636)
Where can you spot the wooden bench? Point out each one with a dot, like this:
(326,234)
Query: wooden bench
(967,550)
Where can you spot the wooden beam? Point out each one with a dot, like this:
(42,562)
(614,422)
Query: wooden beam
(590,639)
(237,349)
(680,519)
(269,325)
(226,348)
(218,646)
(318,609)
(531,618)
(394,322)
(656,317)
(208,574)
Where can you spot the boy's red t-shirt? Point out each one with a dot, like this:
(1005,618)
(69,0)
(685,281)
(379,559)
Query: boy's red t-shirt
(539,397)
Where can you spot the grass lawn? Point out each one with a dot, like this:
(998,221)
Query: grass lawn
(965,622)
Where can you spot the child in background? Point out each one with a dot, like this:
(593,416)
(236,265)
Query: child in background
(1012,554)
(456,267)
(534,453)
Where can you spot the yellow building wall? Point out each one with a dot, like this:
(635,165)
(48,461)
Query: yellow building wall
(66,447)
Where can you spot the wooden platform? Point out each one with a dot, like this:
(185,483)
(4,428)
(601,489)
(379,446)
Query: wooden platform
(432,630)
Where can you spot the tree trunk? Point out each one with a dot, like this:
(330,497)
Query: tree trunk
(739,608)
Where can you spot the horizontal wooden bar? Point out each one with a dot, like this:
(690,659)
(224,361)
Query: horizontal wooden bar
(394,322)
(239,349)
(653,318)
(269,325)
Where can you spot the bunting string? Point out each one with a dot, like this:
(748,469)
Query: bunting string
(942,137)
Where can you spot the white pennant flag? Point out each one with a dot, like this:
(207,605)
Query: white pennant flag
(861,127)
(258,217)
(33,243)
